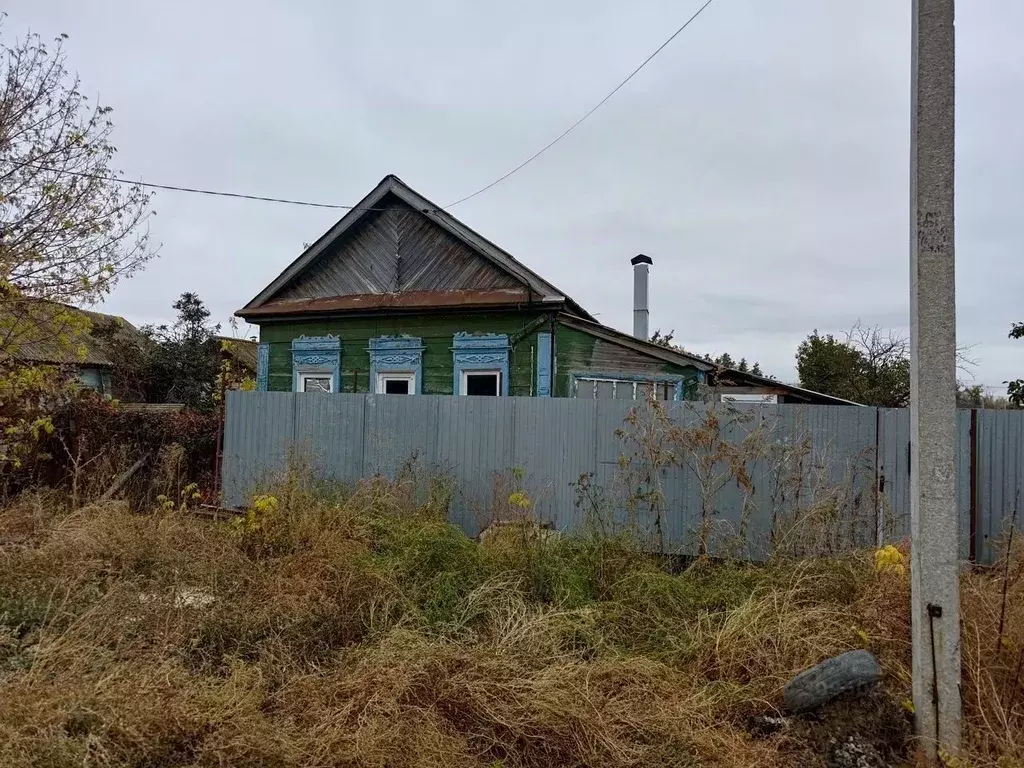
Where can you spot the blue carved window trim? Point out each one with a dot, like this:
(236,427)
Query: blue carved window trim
(398,354)
(480,352)
(316,354)
(263,366)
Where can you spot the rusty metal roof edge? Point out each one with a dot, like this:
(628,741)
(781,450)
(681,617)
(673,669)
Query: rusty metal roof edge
(765,381)
(403,302)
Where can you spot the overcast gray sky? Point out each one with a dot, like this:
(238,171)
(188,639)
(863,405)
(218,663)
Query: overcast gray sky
(761,160)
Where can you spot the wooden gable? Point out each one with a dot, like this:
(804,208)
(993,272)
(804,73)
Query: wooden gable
(395,250)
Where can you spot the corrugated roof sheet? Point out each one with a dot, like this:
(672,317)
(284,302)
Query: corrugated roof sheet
(48,332)
(245,351)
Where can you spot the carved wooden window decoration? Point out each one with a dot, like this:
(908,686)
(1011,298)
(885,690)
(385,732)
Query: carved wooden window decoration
(481,364)
(316,364)
(396,365)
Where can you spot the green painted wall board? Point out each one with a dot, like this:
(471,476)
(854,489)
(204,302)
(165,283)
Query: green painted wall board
(436,331)
(575,351)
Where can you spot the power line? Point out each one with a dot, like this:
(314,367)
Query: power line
(593,109)
(334,206)
(197,191)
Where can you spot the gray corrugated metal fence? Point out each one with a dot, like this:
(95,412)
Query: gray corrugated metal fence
(799,478)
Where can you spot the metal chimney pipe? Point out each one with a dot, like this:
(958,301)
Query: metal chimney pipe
(641,313)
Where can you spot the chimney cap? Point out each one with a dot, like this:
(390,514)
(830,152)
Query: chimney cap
(640,259)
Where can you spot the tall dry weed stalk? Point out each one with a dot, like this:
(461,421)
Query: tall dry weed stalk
(365,630)
(359,628)
(814,512)
(711,447)
(739,475)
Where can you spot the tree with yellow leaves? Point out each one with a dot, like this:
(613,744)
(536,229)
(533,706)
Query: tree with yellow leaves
(68,229)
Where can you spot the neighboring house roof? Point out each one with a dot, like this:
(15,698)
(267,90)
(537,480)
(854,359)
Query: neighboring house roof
(244,351)
(676,356)
(48,333)
(494,278)
(746,379)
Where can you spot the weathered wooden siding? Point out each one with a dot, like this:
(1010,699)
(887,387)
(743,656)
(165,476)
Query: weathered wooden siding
(398,249)
(578,352)
(436,332)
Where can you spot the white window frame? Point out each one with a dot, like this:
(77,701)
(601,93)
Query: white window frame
(466,373)
(630,384)
(303,375)
(750,398)
(384,376)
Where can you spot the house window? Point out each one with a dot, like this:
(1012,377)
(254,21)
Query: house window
(396,365)
(756,398)
(91,378)
(316,364)
(396,383)
(481,383)
(622,386)
(481,364)
(315,382)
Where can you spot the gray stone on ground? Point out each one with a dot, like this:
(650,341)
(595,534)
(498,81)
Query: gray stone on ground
(766,725)
(854,753)
(820,684)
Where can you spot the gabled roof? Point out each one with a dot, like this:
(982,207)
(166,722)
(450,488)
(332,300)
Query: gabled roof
(243,351)
(535,288)
(677,356)
(45,332)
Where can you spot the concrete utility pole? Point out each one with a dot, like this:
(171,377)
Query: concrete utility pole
(935,601)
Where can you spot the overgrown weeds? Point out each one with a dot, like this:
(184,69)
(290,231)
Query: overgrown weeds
(364,630)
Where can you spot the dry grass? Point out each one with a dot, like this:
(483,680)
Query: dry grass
(367,632)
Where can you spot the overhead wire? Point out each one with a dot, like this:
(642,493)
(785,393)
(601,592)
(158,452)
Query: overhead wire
(591,111)
(199,191)
(335,206)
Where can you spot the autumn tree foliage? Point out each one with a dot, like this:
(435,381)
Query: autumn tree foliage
(869,366)
(69,231)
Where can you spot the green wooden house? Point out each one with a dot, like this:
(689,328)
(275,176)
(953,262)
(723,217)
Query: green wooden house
(399,297)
